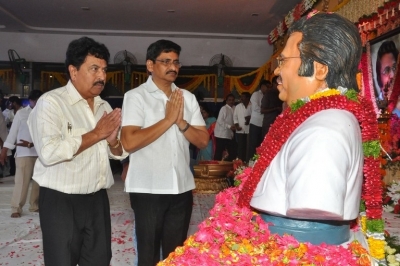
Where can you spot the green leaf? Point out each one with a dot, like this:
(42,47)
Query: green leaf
(372,148)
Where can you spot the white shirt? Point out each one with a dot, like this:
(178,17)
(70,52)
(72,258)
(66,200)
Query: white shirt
(8,115)
(239,118)
(224,122)
(19,130)
(319,167)
(4,131)
(162,167)
(255,110)
(57,123)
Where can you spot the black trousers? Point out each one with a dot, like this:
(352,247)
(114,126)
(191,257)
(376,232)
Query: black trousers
(76,228)
(161,220)
(255,139)
(222,144)
(242,146)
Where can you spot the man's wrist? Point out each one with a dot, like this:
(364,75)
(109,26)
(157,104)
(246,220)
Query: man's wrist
(30,145)
(114,145)
(183,129)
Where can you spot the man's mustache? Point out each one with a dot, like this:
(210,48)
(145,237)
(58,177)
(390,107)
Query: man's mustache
(100,82)
(172,71)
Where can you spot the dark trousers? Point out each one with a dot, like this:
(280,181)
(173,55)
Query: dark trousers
(76,228)
(222,144)
(160,220)
(255,139)
(242,146)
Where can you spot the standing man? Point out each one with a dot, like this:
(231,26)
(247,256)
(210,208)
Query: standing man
(271,106)
(14,104)
(159,122)
(25,158)
(256,119)
(224,131)
(241,121)
(75,132)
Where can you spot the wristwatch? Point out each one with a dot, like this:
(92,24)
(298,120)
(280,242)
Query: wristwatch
(29,145)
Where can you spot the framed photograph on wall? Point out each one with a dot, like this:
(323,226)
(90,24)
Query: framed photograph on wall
(384,64)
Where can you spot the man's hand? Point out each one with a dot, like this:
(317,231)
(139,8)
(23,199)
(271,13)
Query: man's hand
(3,156)
(24,143)
(173,109)
(108,125)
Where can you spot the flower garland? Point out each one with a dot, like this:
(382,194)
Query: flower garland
(233,234)
(292,16)
(368,87)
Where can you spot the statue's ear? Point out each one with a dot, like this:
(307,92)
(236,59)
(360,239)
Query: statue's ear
(320,70)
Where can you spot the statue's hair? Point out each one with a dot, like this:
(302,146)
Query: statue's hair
(331,40)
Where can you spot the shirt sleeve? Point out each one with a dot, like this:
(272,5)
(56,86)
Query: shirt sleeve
(48,132)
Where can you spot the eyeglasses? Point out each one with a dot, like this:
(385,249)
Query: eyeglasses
(386,71)
(281,59)
(169,62)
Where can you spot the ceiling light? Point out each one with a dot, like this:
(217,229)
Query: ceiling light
(85,8)
(254,14)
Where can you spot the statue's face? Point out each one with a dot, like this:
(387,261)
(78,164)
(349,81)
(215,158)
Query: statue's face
(388,68)
(291,86)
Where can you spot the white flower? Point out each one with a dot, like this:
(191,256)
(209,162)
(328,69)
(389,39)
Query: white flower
(388,208)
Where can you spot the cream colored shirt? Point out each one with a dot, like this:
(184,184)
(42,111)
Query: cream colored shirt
(57,124)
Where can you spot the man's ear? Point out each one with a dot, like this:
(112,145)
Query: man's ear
(320,70)
(72,72)
(149,65)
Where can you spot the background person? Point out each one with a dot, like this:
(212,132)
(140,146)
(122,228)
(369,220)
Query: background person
(256,118)
(241,120)
(207,153)
(25,158)
(159,122)
(271,106)
(14,103)
(224,131)
(75,132)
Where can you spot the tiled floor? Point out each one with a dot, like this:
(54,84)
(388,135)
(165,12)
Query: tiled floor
(20,238)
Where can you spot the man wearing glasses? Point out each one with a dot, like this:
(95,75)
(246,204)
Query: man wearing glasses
(159,121)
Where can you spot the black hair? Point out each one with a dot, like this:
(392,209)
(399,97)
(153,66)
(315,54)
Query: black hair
(387,47)
(265,82)
(15,99)
(34,95)
(331,40)
(207,110)
(247,94)
(82,47)
(161,46)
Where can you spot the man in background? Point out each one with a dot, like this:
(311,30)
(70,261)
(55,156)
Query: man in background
(25,158)
(256,118)
(241,120)
(13,104)
(224,131)
(271,106)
